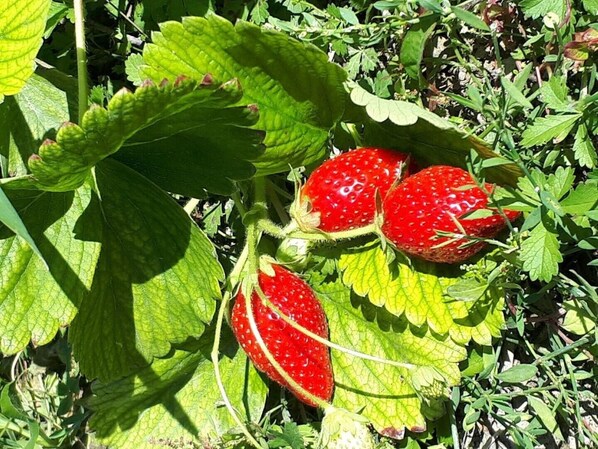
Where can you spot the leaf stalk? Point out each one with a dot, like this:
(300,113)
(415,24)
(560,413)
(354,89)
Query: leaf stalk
(81,57)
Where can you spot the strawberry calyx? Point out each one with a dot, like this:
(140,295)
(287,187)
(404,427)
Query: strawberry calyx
(304,217)
(342,429)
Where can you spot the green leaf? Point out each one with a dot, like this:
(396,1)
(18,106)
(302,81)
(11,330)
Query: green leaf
(518,374)
(469,18)
(546,416)
(581,200)
(418,291)
(590,6)
(47,100)
(541,254)
(132,67)
(432,139)
(384,392)
(22,26)
(299,93)
(554,93)
(578,320)
(35,300)
(156,281)
(558,183)
(467,290)
(176,399)
(414,43)
(515,94)
(10,218)
(210,139)
(583,147)
(544,129)
(539,8)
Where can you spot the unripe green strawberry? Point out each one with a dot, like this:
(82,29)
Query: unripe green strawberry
(294,253)
(342,429)
(340,194)
(304,360)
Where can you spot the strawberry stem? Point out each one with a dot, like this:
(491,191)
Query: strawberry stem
(215,361)
(291,231)
(81,57)
(329,343)
(231,283)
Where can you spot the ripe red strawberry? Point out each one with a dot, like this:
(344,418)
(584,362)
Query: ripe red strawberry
(425,202)
(305,361)
(340,194)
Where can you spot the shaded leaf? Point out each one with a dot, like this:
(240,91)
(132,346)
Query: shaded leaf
(299,93)
(156,281)
(35,300)
(22,26)
(176,400)
(577,320)
(10,218)
(185,127)
(48,99)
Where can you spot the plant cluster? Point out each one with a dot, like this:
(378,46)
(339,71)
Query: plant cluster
(166,218)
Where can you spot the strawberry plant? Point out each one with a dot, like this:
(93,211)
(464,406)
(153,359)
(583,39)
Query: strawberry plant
(297,224)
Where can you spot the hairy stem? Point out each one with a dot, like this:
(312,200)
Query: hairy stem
(332,345)
(81,57)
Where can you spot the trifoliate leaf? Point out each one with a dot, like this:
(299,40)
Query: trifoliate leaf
(544,129)
(583,147)
(299,93)
(186,128)
(35,300)
(176,400)
(385,393)
(419,291)
(22,25)
(541,254)
(430,138)
(156,280)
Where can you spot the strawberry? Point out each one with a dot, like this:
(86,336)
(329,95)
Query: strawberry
(340,194)
(432,200)
(305,361)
